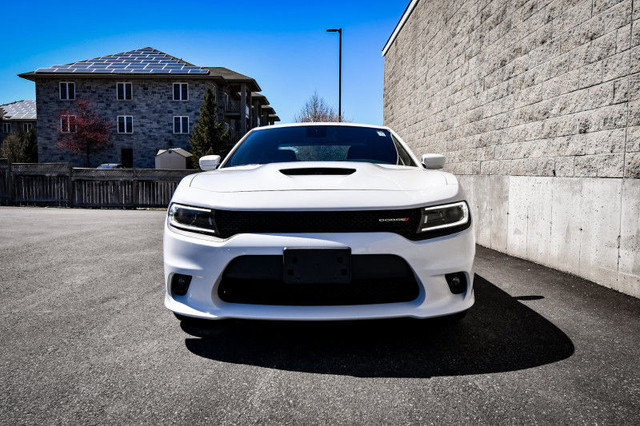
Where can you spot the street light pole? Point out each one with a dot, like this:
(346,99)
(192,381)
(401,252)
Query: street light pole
(339,31)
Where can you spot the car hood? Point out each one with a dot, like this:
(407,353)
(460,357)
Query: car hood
(289,186)
(332,176)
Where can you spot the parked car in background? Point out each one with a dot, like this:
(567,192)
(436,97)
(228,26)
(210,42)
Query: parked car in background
(316,221)
(110,166)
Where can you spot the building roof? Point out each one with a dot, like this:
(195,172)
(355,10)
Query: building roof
(19,110)
(145,62)
(226,73)
(263,98)
(183,152)
(140,61)
(399,25)
(274,117)
(233,77)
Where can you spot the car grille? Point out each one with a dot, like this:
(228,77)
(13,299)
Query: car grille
(258,279)
(403,222)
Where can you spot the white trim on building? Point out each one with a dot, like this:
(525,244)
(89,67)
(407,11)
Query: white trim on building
(399,26)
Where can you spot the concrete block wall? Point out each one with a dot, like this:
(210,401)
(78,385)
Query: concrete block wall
(536,104)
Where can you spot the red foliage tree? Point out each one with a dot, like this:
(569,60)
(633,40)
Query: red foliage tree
(82,131)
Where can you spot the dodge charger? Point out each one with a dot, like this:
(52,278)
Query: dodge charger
(319,221)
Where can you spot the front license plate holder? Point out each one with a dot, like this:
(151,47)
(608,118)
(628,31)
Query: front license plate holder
(317,266)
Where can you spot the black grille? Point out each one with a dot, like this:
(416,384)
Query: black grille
(374,279)
(403,222)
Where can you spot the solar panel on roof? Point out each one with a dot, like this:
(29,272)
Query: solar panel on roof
(20,110)
(142,61)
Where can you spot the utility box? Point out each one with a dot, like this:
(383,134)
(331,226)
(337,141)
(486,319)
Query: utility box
(172,158)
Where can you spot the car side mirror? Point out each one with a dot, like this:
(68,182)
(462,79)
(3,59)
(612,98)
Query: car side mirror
(433,161)
(209,162)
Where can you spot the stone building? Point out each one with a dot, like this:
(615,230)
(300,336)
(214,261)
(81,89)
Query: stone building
(151,99)
(536,105)
(17,116)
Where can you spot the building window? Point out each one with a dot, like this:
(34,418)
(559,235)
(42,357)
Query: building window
(67,91)
(124,91)
(180,91)
(68,124)
(27,126)
(180,124)
(6,127)
(125,124)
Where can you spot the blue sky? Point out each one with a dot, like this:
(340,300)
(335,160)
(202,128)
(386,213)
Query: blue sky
(282,44)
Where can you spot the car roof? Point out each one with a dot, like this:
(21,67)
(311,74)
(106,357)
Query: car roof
(323,123)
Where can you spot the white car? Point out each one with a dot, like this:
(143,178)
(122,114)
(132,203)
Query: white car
(319,221)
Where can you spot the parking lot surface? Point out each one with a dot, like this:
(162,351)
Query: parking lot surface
(84,338)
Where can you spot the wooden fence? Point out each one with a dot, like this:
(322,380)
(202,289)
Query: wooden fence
(61,185)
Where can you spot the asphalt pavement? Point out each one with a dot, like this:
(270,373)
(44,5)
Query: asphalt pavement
(85,338)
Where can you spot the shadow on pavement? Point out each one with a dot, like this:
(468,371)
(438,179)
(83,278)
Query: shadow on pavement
(499,334)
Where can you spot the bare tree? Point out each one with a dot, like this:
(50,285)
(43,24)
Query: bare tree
(316,110)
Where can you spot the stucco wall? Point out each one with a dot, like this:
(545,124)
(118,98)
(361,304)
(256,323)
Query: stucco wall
(537,105)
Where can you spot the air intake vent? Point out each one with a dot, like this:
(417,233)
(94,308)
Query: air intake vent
(317,171)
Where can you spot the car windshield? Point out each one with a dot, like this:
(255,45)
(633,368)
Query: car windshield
(320,143)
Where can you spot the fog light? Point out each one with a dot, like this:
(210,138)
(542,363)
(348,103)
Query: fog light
(457,282)
(180,284)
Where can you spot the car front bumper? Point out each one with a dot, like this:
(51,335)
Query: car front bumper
(205,258)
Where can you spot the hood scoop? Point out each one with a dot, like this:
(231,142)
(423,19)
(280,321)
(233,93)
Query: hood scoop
(310,171)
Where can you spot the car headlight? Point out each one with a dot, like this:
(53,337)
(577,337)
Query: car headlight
(195,219)
(452,215)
